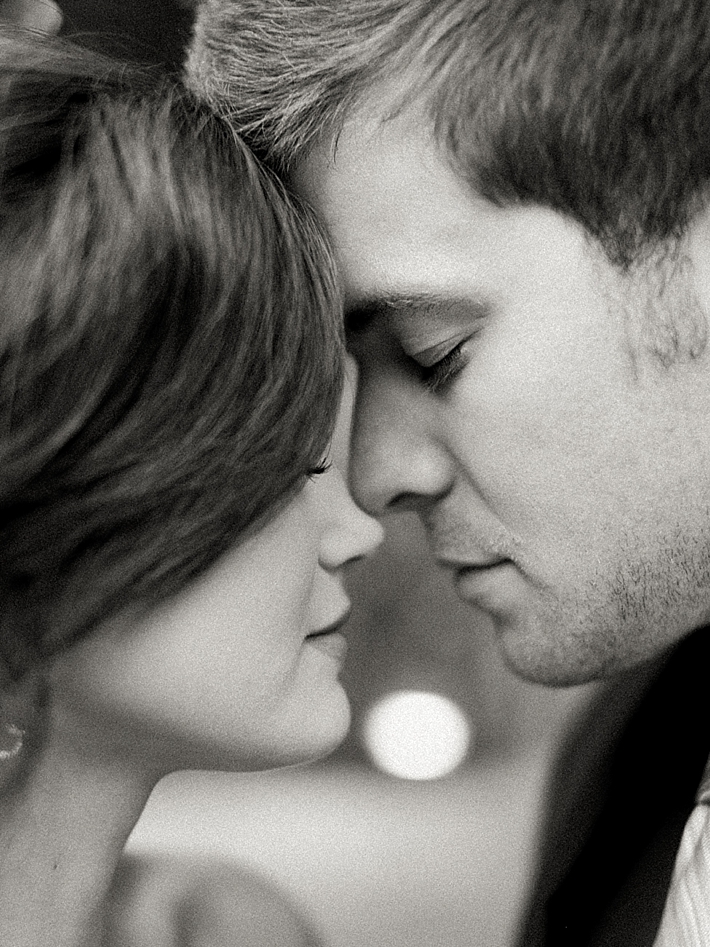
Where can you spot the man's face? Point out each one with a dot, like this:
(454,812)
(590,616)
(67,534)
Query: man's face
(507,393)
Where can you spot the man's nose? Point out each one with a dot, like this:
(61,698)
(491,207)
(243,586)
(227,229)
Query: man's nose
(398,460)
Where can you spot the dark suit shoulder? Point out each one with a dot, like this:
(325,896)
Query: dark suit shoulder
(622,787)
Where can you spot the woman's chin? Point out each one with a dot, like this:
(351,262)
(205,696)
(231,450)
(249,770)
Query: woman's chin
(310,736)
(299,738)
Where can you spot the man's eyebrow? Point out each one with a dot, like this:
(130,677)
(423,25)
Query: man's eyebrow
(360,315)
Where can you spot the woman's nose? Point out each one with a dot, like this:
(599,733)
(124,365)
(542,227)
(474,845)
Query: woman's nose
(349,533)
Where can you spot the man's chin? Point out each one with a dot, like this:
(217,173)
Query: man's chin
(542,658)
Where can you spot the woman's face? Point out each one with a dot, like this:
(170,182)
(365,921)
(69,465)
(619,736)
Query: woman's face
(239,671)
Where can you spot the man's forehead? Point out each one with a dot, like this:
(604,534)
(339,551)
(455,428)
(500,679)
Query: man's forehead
(399,224)
(375,142)
(411,238)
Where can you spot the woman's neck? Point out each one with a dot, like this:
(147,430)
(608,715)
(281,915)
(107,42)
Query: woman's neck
(61,836)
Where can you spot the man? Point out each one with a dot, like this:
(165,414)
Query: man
(515,194)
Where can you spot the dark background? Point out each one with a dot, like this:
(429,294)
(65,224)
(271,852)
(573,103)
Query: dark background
(147,31)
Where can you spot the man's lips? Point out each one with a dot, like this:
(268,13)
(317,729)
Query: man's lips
(483,580)
(462,566)
(488,585)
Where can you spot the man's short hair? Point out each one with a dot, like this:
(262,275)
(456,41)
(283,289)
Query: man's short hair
(599,109)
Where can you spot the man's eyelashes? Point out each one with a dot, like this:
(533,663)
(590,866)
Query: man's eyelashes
(436,377)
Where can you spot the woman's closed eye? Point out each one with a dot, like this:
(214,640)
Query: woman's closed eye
(321,468)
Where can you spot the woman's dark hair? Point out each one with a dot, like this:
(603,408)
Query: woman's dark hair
(170,342)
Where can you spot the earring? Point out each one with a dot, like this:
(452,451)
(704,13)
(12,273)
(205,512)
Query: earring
(11,741)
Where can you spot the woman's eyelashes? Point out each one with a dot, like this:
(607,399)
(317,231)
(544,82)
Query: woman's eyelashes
(320,468)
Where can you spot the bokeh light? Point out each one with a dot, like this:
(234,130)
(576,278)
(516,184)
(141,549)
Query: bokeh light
(417,734)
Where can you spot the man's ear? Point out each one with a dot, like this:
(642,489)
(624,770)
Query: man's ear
(42,16)
(697,247)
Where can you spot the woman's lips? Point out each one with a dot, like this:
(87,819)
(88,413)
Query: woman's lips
(331,643)
(329,640)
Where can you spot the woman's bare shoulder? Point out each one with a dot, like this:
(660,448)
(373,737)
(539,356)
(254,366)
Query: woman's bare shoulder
(161,901)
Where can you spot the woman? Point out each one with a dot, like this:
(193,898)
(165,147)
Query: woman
(171,540)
